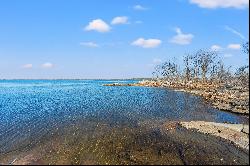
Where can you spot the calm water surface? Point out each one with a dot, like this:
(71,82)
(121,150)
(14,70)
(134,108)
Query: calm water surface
(83,122)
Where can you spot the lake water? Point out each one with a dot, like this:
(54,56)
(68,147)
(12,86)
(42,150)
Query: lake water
(83,122)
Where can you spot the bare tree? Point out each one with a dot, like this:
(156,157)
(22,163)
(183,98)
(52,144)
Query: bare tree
(245,47)
(187,70)
(220,73)
(169,70)
(242,74)
(206,59)
(195,66)
(204,65)
(214,70)
(157,72)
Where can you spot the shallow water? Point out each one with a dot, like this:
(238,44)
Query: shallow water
(83,122)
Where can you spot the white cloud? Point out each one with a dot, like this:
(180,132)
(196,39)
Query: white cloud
(235,32)
(228,55)
(181,38)
(139,7)
(47,65)
(234,46)
(27,66)
(120,20)
(98,25)
(147,43)
(216,47)
(89,44)
(212,4)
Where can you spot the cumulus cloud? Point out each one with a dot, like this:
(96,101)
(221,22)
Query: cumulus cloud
(234,46)
(147,43)
(47,65)
(27,66)
(181,38)
(234,32)
(216,47)
(139,7)
(89,44)
(212,4)
(120,20)
(98,25)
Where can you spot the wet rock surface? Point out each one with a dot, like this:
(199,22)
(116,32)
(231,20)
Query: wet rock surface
(237,133)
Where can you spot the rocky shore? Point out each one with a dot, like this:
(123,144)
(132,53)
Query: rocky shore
(236,133)
(223,97)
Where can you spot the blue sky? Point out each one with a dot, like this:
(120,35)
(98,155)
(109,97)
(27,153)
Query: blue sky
(115,39)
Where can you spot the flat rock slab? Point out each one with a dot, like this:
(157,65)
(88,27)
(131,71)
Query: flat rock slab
(237,133)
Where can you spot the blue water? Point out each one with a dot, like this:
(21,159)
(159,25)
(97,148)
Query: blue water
(31,108)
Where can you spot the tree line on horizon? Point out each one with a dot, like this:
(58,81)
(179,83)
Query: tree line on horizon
(203,66)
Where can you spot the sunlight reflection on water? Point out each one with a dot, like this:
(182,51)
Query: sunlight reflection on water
(82,116)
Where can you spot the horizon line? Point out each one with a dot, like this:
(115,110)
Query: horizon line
(74,78)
